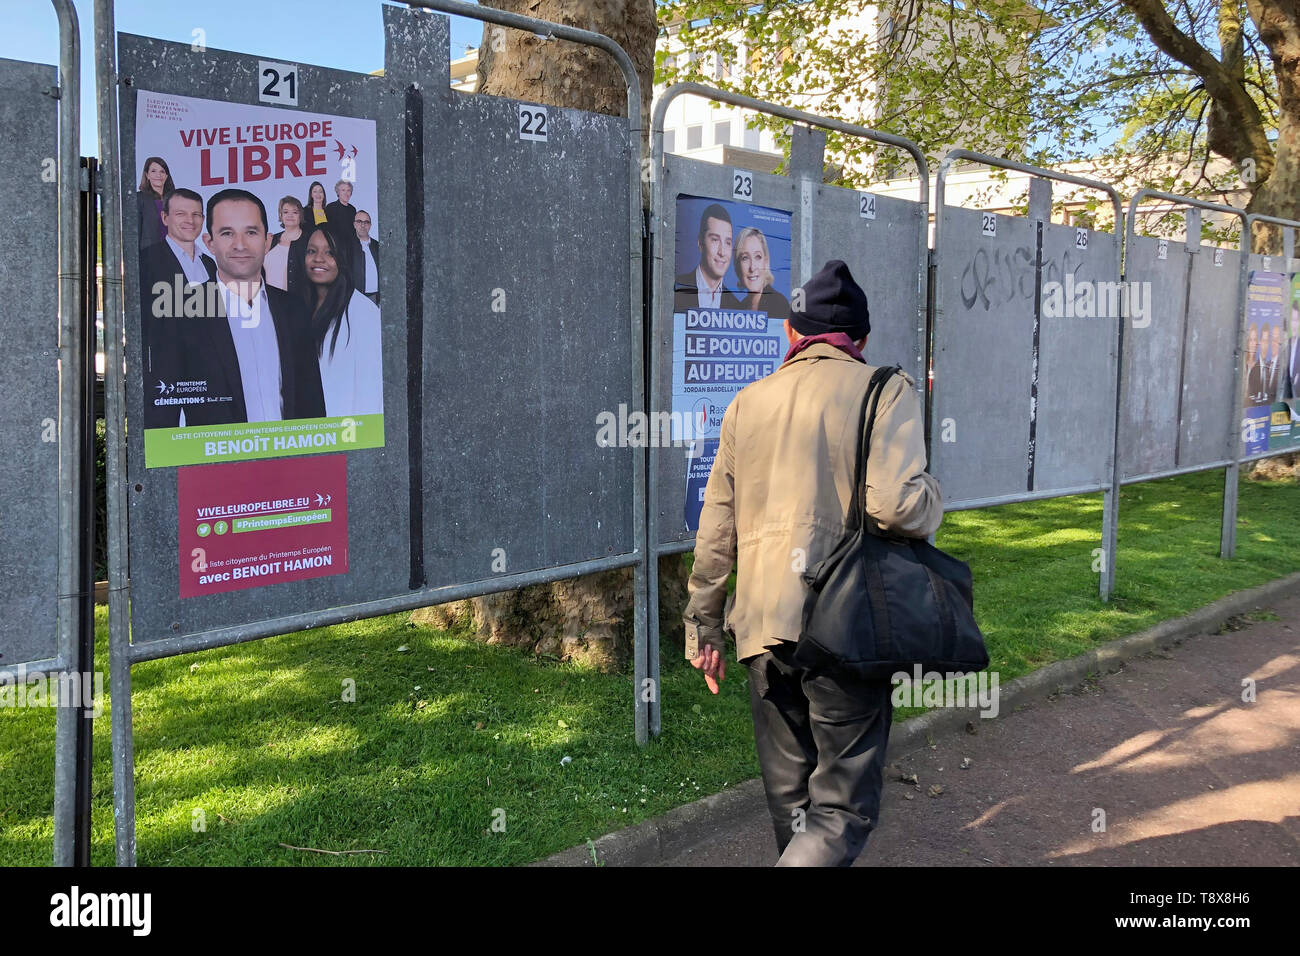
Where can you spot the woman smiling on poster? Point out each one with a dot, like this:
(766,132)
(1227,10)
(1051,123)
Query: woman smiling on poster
(314,208)
(155,183)
(345,325)
(284,261)
(753,264)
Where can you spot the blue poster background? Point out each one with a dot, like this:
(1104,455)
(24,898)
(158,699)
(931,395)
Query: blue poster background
(1268,422)
(718,351)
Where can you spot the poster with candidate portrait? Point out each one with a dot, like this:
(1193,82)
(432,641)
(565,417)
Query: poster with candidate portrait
(259,313)
(731,296)
(1269,416)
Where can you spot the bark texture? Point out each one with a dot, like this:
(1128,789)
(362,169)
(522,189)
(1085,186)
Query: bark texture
(585,619)
(1237,129)
(559,73)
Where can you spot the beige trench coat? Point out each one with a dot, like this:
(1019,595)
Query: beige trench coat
(778,495)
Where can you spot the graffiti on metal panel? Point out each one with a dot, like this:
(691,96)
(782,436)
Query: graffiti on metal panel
(998,278)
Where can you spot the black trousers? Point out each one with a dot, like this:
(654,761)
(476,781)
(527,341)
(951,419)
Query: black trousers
(821,740)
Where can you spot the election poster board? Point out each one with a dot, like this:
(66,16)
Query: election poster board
(1272,362)
(220,387)
(261,358)
(731,298)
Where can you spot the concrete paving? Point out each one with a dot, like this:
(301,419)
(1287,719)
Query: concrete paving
(1164,753)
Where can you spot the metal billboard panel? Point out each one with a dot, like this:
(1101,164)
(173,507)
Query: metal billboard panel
(377,512)
(527,338)
(983,355)
(884,251)
(1077,352)
(29,364)
(1153,357)
(1207,412)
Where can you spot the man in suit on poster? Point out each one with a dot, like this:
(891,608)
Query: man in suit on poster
(368,263)
(253,349)
(702,288)
(1276,368)
(341,216)
(1291,377)
(1254,370)
(167,268)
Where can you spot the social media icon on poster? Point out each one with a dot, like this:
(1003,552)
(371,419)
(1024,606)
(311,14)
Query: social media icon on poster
(205,529)
(222,527)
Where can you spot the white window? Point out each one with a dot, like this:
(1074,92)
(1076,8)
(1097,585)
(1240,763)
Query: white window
(670,141)
(721,134)
(694,137)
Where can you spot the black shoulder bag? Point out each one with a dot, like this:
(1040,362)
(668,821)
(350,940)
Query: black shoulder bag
(884,603)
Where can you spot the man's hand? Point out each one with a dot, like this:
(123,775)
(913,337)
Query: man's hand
(714,665)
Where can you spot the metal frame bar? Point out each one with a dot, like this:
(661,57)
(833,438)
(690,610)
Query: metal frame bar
(993,501)
(1109,514)
(119,638)
(123,653)
(1232,448)
(243,633)
(70,584)
(654,547)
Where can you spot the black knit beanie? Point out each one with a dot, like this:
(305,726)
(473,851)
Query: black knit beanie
(832,302)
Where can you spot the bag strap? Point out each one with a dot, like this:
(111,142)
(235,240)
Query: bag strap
(857,508)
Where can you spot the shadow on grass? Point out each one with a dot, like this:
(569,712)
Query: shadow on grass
(452,737)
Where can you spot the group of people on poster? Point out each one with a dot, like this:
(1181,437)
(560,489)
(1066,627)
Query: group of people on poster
(212,271)
(1273,361)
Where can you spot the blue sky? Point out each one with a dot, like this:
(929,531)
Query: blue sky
(343,34)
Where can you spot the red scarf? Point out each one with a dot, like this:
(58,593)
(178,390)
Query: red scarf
(837,339)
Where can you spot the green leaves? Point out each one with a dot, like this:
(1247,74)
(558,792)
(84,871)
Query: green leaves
(1050,82)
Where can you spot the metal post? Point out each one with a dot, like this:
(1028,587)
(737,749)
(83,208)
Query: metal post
(85,661)
(1110,500)
(71,399)
(119,640)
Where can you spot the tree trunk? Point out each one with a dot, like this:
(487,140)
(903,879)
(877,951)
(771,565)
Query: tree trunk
(1279,194)
(559,73)
(589,618)
(585,619)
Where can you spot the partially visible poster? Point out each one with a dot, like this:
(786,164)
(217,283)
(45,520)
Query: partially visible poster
(260,316)
(1290,386)
(250,524)
(731,297)
(1269,423)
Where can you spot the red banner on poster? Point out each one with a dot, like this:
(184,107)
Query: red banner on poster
(250,524)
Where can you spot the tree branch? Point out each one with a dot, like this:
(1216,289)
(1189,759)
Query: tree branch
(1246,137)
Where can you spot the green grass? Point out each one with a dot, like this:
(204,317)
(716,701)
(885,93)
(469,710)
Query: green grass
(260,740)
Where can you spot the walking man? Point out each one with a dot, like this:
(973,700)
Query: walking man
(776,504)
